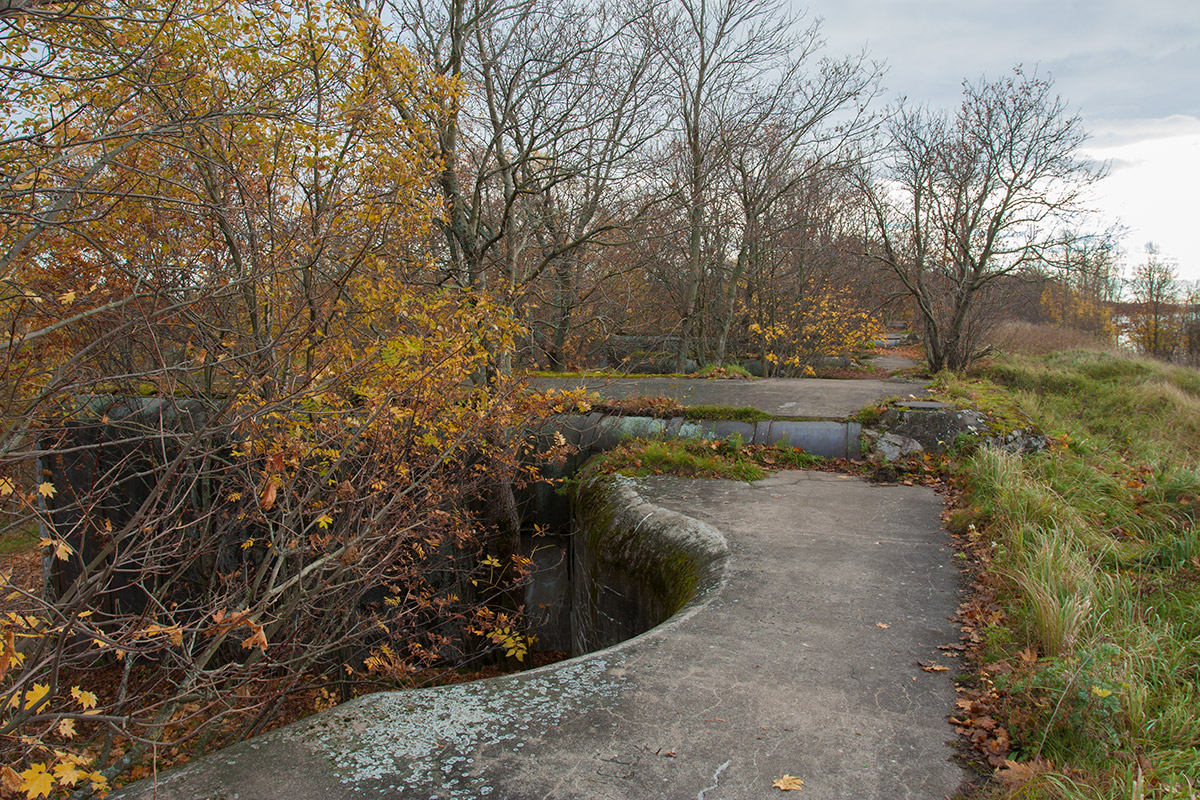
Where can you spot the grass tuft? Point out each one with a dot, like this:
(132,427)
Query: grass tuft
(1097,551)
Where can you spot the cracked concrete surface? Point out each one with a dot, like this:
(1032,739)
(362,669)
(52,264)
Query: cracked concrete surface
(801,663)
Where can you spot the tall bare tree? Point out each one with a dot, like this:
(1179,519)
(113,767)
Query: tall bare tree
(717,53)
(965,201)
(799,127)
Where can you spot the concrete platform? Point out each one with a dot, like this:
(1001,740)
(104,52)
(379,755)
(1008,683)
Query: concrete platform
(800,662)
(812,398)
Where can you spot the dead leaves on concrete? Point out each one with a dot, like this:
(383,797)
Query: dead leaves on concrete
(788,783)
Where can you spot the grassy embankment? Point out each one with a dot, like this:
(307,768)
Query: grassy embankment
(1093,550)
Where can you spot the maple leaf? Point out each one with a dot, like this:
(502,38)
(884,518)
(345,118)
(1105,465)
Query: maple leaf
(6,487)
(34,698)
(68,773)
(85,699)
(788,783)
(257,638)
(36,782)
(932,667)
(66,729)
(46,489)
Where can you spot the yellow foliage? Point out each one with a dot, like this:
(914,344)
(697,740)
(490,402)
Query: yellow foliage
(1068,308)
(827,324)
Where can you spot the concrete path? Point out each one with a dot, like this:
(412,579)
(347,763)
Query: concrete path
(789,397)
(889,363)
(801,663)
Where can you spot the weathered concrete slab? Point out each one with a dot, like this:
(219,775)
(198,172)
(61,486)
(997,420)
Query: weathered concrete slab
(890,363)
(802,662)
(817,398)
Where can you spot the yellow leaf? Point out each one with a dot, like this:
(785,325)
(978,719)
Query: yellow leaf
(46,489)
(6,487)
(324,521)
(67,297)
(788,783)
(68,772)
(63,551)
(99,782)
(36,782)
(85,699)
(34,698)
(1096,690)
(66,729)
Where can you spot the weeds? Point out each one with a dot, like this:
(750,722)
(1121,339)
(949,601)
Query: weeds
(1095,547)
(694,458)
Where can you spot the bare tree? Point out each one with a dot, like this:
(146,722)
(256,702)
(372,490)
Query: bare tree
(798,127)
(717,55)
(963,202)
(556,108)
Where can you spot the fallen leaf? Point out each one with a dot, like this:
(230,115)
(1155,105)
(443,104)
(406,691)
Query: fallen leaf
(10,781)
(882,625)
(788,783)
(36,782)
(932,666)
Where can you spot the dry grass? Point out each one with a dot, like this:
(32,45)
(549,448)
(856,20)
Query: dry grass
(1035,340)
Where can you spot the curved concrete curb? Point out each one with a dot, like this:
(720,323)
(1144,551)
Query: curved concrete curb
(421,743)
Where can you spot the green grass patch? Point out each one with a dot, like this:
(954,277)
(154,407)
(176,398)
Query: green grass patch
(668,408)
(710,372)
(19,540)
(603,373)
(724,371)
(696,458)
(1095,547)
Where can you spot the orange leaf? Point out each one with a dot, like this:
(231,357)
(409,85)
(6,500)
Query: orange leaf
(268,495)
(256,639)
(788,783)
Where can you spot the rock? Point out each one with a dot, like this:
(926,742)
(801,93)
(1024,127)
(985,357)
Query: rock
(934,429)
(1020,441)
(754,366)
(893,446)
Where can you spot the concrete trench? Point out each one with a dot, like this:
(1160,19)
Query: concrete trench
(797,608)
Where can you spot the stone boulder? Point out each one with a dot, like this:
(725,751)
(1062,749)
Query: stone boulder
(932,427)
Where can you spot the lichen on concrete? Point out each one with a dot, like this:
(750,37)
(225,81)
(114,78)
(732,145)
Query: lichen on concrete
(428,738)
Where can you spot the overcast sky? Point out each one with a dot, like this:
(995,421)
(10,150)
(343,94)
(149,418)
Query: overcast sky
(1130,67)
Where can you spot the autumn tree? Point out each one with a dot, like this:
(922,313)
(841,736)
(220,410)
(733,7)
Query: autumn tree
(1153,327)
(1081,283)
(965,201)
(242,420)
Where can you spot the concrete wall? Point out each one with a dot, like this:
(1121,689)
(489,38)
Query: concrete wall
(634,564)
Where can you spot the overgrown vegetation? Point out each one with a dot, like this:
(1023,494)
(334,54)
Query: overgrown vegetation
(1092,551)
(668,407)
(696,458)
